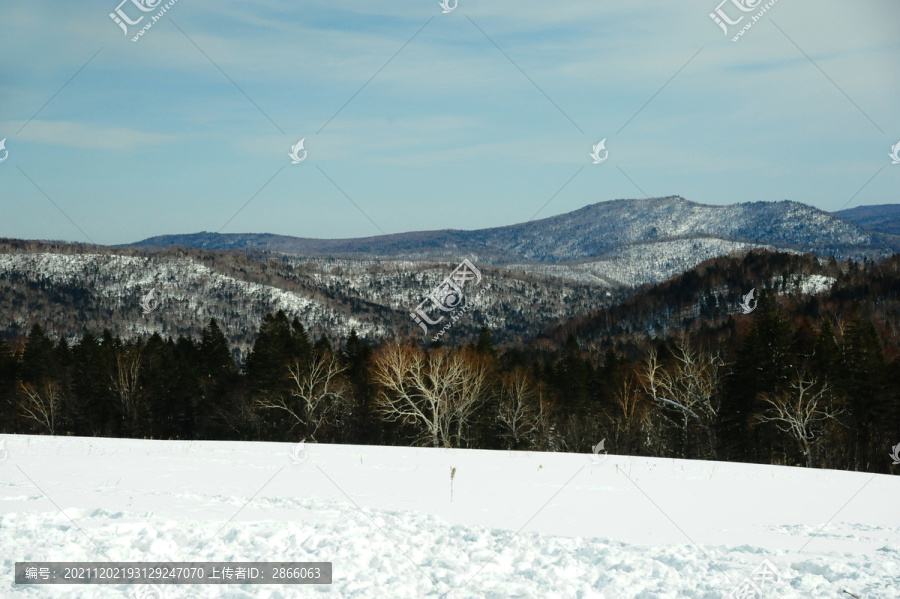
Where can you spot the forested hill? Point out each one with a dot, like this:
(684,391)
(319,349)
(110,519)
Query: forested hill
(711,294)
(810,376)
(709,297)
(602,230)
(883,218)
(72,289)
(812,369)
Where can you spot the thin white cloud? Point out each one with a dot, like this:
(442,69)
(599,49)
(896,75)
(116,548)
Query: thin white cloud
(75,134)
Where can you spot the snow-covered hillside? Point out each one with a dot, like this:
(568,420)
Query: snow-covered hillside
(599,228)
(113,276)
(588,232)
(394,523)
(634,265)
(70,292)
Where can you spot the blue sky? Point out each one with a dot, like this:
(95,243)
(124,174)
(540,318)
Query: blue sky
(152,138)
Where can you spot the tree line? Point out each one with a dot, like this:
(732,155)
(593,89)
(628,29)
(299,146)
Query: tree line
(818,392)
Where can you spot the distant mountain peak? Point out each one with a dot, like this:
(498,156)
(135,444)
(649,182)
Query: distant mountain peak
(591,232)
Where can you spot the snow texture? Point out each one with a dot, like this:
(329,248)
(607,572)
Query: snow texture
(520,524)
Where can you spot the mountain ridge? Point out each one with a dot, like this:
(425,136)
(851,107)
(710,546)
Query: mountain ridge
(881,218)
(587,233)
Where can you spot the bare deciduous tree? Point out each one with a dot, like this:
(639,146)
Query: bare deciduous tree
(689,386)
(41,404)
(126,382)
(518,396)
(632,415)
(320,391)
(579,434)
(474,383)
(438,392)
(802,411)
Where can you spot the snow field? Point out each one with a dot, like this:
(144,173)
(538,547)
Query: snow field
(520,524)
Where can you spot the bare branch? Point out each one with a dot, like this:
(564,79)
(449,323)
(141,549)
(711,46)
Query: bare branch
(802,411)
(439,391)
(517,396)
(42,405)
(320,389)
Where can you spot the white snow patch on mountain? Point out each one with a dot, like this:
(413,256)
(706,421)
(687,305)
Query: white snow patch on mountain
(815,284)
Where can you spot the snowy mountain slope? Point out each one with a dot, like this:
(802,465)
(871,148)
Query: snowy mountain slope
(395,524)
(590,232)
(640,263)
(711,294)
(77,290)
(884,218)
(653,262)
(600,227)
(118,283)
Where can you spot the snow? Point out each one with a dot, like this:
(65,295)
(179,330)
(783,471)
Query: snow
(520,524)
(815,284)
(180,280)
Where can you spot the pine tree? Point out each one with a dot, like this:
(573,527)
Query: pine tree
(572,376)
(366,427)
(763,365)
(220,384)
(278,344)
(863,371)
(8,376)
(216,364)
(323,345)
(189,390)
(92,386)
(39,362)
(485,345)
(827,352)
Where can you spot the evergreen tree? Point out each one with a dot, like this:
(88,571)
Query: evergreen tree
(572,376)
(39,362)
(863,372)
(368,428)
(323,345)
(94,364)
(217,368)
(8,377)
(485,345)
(764,365)
(219,381)
(278,344)
(189,388)
(827,352)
